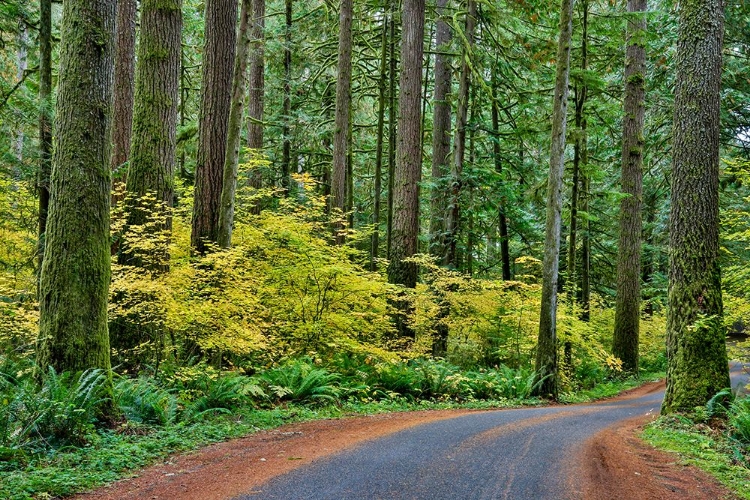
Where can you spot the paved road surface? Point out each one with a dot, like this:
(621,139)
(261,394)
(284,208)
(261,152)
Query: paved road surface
(506,454)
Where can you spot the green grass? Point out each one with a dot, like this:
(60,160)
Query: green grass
(110,455)
(711,451)
(609,388)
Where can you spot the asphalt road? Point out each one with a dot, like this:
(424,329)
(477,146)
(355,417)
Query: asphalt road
(505,454)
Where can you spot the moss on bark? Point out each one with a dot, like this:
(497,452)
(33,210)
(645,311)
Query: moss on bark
(73,332)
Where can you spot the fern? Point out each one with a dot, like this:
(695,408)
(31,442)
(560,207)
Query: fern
(142,401)
(300,381)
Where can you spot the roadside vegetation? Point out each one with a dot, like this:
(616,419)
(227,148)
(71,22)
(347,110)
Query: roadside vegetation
(283,327)
(715,438)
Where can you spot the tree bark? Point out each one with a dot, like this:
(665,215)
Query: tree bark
(696,349)
(392,125)
(628,305)
(152,152)
(234,129)
(286,129)
(122,117)
(378,187)
(22,63)
(216,92)
(579,98)
(75,275)
(546,354)
(256,98)
(45,120)
(503,219)
(459,141)
(343,108)
(584,195)
(441,132)
(408,153)
(408,168)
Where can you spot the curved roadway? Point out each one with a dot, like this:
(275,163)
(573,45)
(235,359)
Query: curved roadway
(505,454)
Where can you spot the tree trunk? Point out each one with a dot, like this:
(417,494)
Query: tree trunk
(579,99)
(546,354)
(584,195)
(256,98)
(628,306)
(286,147)
(234,130)
(45,119)
(459,141)
(696,349)
(343,109)
(392,125)
(408,167)
(378,187)
(152,152)
(75,276)
(441,132)
(350,177)
(213,121)
(122,117)
(408,155)
(503,220)
(22,63)
(470,185)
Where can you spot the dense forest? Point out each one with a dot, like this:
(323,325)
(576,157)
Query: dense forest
(219,206)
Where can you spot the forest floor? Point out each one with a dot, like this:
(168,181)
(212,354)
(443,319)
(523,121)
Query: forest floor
(613,464)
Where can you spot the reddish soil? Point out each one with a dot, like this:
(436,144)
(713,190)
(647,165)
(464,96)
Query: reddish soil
(614,464)
(225,470)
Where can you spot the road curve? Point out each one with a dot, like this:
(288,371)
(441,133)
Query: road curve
(506,454)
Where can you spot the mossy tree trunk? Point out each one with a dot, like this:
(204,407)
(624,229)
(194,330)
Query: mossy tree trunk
(696,349)
(546,351)
(151,164)
(152,152)
(45,119)
(234,131)
(341,130)
(73,332)
(628,305)
(408,168)
(213,120)
(441,130)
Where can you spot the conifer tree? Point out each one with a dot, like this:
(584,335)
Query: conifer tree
(73,332)
(696,347)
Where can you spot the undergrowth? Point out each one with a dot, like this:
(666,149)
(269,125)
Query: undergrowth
(715,438)
(193,406)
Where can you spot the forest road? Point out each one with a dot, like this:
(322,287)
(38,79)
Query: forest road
(536,453)
(589,452)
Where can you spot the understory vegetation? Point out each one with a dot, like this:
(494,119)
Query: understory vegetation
(388,240)
(282,327)
(715,438)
